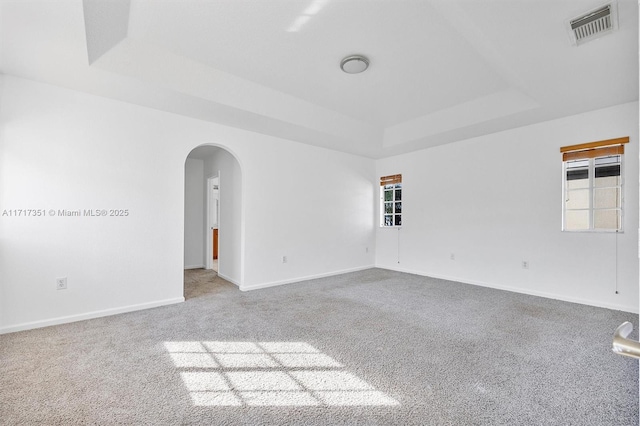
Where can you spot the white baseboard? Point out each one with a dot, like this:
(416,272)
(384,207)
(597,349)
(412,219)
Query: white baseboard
(194,267)
(88,315)
(305,278)
(226,278)
(599,304)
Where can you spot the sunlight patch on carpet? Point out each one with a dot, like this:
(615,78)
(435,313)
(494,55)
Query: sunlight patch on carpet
(268,374)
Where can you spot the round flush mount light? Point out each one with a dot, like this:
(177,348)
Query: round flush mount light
(354,64)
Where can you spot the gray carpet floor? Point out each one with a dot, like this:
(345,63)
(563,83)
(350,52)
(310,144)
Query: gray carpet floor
(365,348)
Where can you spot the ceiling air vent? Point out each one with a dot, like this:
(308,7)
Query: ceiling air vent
(594,24)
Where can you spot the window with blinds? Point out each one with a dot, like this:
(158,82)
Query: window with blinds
(391,201)
(592,186)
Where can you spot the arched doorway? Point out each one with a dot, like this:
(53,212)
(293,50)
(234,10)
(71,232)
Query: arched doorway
(213,212)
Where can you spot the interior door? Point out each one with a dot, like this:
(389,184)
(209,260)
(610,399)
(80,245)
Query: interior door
(215,243)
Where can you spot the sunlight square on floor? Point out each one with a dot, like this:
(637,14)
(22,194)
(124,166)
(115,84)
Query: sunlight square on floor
(268,374)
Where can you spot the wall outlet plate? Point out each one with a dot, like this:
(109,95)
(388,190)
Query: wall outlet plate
(61,283)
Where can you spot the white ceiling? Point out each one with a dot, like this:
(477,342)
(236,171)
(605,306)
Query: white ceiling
(441,70)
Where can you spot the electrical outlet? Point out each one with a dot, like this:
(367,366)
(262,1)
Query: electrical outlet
(452,257)
(61,283)
(284,259)
(525,264)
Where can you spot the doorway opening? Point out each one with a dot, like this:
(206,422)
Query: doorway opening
(213,214)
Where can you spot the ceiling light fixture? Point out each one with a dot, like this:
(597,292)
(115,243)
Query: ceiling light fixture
(354,64)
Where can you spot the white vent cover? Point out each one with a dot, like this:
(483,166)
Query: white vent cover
(594,24)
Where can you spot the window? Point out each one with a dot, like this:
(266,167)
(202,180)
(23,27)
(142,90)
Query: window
(391,200)
(592,186)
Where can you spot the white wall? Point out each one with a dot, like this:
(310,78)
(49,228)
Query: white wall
(314,206)
(3,187)
(224,165)
(496,200)
(194,210)
(62,149)
(66,150)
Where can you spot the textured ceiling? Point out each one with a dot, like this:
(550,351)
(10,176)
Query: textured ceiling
(441,70)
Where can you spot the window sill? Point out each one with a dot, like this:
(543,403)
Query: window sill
(594,231)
